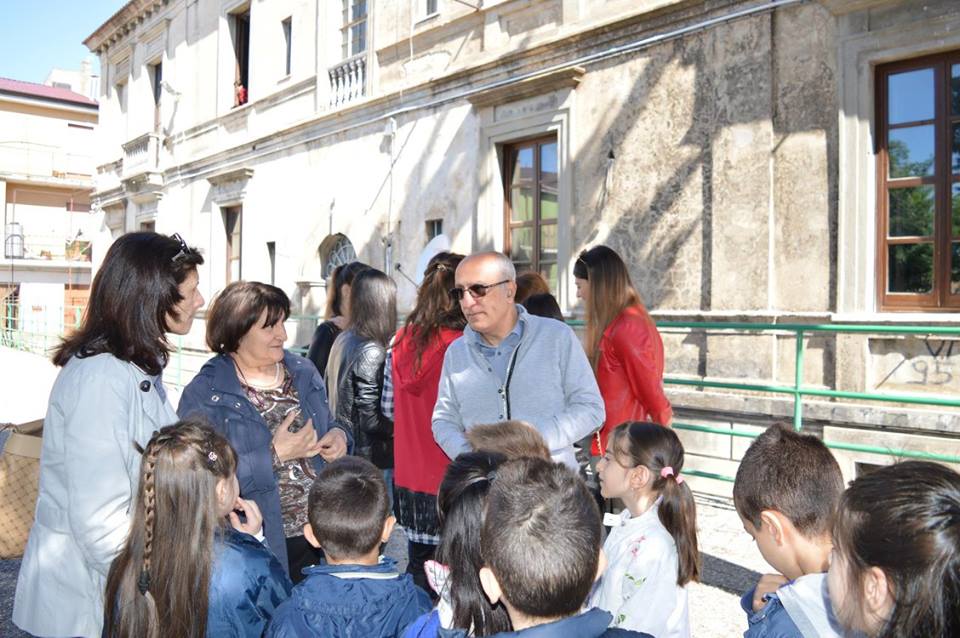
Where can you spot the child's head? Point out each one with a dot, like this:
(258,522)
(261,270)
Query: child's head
(647,458)
(513,439)
(786,493)
(188,483)
(461,501)
(540,540)
(349,510)
(896,559)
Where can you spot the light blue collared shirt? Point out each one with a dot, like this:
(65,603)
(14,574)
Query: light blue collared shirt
(499,356)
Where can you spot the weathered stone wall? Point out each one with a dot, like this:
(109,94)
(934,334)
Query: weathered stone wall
(708,162)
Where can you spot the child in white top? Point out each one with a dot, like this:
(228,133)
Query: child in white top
(652,546)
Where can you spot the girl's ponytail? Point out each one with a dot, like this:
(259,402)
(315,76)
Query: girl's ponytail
(659,449)
(678,513)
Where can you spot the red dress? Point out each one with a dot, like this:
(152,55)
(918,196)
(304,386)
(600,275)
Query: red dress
(630,373)
(419,463)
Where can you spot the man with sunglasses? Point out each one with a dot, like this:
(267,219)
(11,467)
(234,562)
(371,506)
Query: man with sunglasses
(512,365)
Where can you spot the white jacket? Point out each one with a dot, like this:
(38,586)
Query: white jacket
(639,586)
(89,470)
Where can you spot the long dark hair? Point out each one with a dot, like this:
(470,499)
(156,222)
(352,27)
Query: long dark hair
(342,275)
(159,583)
(905,519)
(131,296)
(373,306)
(461,501)
(611,292)
(435,308)
(656,447)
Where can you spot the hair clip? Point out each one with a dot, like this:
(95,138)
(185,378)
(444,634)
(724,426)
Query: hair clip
(143,583)
(212,457)
(668,471)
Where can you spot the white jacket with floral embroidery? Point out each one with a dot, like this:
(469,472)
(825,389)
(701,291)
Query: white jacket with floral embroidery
(639,586)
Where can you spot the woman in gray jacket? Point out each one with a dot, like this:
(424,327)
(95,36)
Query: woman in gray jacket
(107,400)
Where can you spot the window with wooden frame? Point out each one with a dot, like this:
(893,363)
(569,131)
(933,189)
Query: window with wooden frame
(531,206)
(353,30)
(232,225)
(918,177)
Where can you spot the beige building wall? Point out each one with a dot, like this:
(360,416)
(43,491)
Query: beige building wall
(46,176)
(723,148)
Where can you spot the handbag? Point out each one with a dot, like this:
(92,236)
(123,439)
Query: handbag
(19,483)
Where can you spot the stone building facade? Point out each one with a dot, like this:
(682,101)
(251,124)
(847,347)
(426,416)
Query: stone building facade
(729,149)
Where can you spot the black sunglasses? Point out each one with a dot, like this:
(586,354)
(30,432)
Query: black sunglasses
(476,290)
(184,249)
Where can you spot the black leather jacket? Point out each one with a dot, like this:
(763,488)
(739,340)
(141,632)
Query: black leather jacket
(359,386)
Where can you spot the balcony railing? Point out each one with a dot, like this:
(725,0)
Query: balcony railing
(141,155)
(41,160)
(44,247)
(348,80)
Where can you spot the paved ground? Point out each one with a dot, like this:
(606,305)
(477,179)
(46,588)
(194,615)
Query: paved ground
(731,561)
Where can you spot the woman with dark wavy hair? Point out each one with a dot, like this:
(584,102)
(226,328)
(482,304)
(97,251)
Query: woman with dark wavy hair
(108,398)
(412,377)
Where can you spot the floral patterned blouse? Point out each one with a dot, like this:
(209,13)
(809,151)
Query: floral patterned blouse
(639,586)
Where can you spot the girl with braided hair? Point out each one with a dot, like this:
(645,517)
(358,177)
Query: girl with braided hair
(190,566)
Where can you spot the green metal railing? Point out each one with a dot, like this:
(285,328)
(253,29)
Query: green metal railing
(798,390)
(27,330)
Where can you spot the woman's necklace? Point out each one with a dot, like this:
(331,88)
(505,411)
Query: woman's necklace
(260,386)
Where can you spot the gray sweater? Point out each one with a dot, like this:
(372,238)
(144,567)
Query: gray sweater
(549,384)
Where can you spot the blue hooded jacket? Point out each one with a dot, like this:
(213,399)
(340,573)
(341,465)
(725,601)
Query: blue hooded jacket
(215,395)
(350,601)
(247,584)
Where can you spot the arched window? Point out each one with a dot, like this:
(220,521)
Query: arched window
(334,251)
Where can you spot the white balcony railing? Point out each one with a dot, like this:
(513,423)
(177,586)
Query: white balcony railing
(348,80)
(141,155)
(40,160)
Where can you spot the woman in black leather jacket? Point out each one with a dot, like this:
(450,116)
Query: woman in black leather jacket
(359,355)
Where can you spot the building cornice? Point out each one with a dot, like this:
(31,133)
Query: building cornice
(121,23)
(617,37)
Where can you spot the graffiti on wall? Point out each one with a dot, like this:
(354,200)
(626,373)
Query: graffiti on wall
(916,365)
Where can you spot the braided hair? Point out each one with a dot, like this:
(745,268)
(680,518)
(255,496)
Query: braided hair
(161,577)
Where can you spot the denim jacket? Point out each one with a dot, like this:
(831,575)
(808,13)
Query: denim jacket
(216,395)
(799,609)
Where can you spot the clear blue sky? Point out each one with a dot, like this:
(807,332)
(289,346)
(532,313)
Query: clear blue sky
(38,35)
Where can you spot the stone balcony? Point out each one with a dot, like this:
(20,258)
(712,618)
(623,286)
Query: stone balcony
(141,155)
(140,169)
(348,80)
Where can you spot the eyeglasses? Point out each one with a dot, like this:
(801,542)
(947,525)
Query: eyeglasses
(476,290)
(184,249)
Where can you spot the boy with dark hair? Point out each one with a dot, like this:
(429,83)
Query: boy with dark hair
(541,544)
(786,492)
(355,592)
